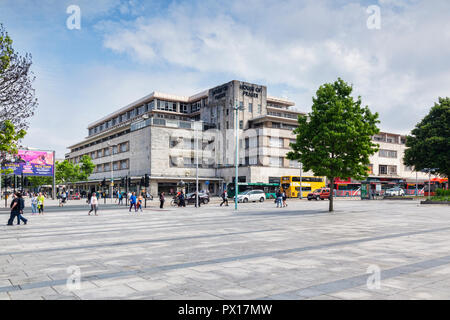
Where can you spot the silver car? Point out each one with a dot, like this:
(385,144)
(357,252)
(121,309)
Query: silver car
(396,191)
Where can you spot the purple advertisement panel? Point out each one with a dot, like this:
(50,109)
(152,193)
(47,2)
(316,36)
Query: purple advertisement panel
(34,163)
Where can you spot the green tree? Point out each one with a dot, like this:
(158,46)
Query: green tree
(86,168)
(337,139)
(36,181)
(428,146)
(66,172)
(6,50)
(9,139)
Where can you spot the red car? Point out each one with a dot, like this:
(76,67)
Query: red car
(322,194)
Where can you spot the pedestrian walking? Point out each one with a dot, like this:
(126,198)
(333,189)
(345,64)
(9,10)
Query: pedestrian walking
(17,205)
(284,197)
(279,199)
(120,196)
(94,204)
(41,199)
(133,202)
(34,204)
(224,198)
(139,202)
(162,198)
(21,207)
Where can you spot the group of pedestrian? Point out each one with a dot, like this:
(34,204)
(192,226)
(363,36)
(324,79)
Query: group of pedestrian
(136,202)
(280,199)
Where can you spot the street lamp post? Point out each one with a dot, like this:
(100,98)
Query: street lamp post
(236,184)
(301,169)
(112,173)
(196,165)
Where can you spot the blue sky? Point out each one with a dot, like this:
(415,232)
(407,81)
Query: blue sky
(127,49)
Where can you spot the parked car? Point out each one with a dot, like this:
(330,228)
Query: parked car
(322,194)
(252,195)
(396,191)
(203,198)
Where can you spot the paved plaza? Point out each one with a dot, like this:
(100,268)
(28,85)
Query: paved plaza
(260,252)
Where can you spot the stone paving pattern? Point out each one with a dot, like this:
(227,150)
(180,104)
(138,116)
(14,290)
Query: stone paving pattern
(260,252)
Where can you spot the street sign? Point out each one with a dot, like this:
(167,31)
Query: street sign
(207,183)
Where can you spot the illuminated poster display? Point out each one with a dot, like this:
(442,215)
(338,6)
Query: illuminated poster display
(34,163)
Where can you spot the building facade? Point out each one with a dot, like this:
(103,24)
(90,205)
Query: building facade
(164,136)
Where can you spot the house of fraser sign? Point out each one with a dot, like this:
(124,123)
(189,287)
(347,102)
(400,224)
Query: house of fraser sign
(250,91)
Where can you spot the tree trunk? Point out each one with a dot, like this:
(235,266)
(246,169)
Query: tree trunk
(331,194)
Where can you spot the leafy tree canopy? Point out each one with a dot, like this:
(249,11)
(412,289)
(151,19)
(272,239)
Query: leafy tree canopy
(335,138)
(428,146)
(9,139)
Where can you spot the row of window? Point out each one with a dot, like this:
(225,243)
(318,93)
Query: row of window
(154,104)
(122,147)
(117,165)
(283,115)
(102,140)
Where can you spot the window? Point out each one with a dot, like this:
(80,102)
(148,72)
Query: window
(116,166)
(382,169)
(274,179)
(124,147)
(247,143)
(276,125)
(241,124)
(392,169)
(276,161)
(106,152)
(276,142)
(228,125)
(106,167)
(188,144)
(93,155)
(294,164)
(115,150)
(99,154)
(370,168)
(259,109)
(388,153)
(250,107)
(228,111)
(124,164)
(253,160)
(241,104)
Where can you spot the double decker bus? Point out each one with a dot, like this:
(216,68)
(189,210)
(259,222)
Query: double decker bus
(436,183)
(269,189)
(291,185)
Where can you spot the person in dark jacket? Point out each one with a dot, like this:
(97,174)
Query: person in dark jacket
(161,200)
(17,206)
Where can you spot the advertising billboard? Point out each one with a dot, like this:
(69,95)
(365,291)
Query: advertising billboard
(33,163)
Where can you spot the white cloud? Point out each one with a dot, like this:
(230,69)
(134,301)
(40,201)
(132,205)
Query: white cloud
(303,45)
